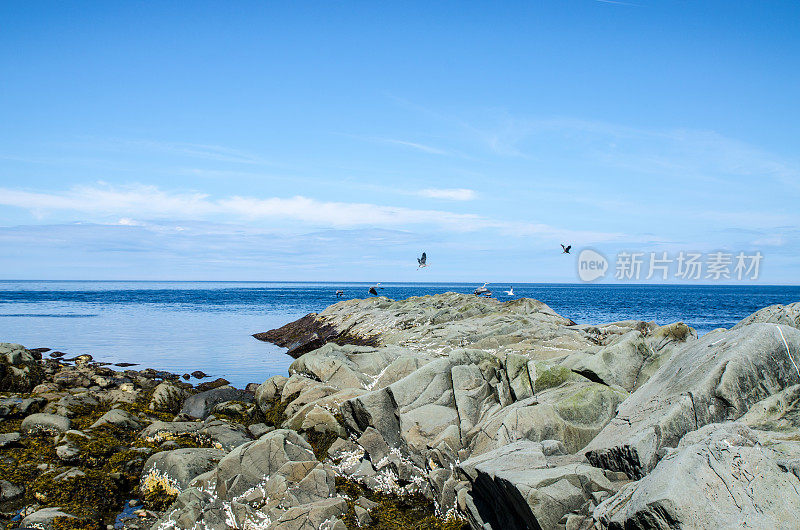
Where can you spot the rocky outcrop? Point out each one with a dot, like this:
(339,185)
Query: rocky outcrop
(788,315)
(440,411)
(515,487)
(719,476)
(717,378)
(265,483)
(312,332)
(19,369)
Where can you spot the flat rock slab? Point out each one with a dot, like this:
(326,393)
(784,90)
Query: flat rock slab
(717,378)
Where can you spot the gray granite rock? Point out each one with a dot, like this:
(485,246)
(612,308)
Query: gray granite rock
(715,379)
(183,465)
(718,477)
(48,423)
(200,405)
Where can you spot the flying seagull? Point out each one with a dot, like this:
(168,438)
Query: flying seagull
(374,289)
(565,250)
(423,261)
(339,293)
(482,290)
(510,292)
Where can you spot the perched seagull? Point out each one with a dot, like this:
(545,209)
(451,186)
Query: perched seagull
(565,250)
(374,289)
(423,261)
(510,292)
(482,290)
(339,293)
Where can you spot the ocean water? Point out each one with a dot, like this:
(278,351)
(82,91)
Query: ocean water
(186,326)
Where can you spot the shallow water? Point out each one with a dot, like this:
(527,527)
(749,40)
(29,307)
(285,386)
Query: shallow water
(186,326)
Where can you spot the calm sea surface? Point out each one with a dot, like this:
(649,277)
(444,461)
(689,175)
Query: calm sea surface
(186,326)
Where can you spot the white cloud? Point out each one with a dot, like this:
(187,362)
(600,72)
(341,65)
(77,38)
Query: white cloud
(149,202)
(451,194)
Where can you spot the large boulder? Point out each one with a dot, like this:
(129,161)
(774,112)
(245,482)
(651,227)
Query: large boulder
(200,405)
(45,423)
(19,369)
(718,477)
(717,378)
(181,466)
(439,323)
(513,487)
(118,418)
(573,412)
(629,360)
(168,397)
(258,482)
(788,315)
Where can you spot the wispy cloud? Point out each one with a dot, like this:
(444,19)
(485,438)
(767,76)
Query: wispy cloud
(205,151)
(450,194)
(414,145)
(150,202)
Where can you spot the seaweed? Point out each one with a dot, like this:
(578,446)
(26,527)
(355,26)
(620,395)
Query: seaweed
(394,512)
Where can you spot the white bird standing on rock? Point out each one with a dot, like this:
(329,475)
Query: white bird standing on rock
(374,289)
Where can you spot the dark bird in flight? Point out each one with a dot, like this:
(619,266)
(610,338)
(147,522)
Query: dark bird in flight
(565,250)
(423,261)
(374,289)
(339,293)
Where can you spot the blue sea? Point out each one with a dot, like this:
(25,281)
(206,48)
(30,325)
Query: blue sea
(187,326)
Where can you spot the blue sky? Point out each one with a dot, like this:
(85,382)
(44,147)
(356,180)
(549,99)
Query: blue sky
(337,140)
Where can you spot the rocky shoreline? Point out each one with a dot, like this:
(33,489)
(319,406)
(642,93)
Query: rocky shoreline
(437,412)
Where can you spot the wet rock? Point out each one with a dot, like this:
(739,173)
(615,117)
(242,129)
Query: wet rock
(200,405)
(210,385)
(718,477)
(48,423)
(199,374)
(716,378)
